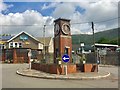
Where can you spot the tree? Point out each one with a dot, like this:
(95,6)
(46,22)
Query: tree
(107,41)
(103,40)
(114,41)
(118,41)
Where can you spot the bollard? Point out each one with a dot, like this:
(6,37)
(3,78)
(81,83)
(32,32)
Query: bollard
(65,69)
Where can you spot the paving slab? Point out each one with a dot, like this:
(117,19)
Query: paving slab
(74,76)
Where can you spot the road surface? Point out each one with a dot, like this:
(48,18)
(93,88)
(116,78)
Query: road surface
(11,80)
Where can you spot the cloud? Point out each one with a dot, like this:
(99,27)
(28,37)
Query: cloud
(4,6)
(14,23)
(57,0)
(102,11)
(51,5)
(64,10)
(98,11)
(94,11)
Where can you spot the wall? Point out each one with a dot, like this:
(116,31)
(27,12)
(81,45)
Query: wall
(53,68)
(87,67)
(32,43)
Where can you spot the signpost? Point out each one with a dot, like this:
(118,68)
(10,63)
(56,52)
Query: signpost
(103,52)
(65,59)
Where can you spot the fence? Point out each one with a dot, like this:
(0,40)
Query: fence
(111,58)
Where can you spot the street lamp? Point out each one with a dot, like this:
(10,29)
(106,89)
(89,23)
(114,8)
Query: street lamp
(93,39)
(94,45)
(44,41)
(29,56)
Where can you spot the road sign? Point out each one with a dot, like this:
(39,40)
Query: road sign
(65,58)
(103,52)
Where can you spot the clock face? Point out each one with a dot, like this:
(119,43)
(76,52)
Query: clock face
(65,28)
(57,29)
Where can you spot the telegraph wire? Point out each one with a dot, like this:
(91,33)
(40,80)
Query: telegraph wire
(107,20)
(96,21)
(71,23)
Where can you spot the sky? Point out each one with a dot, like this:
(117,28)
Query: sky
(32,16)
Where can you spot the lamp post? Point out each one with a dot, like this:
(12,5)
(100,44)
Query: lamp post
(93,39)
(44,41)
(29,56)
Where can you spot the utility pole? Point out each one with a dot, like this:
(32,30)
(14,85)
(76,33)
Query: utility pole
(44,41)
(93,40)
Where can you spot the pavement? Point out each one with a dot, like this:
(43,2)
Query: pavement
(74,76)
(102,65)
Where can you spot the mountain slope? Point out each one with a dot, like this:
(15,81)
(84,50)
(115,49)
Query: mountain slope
(88,39)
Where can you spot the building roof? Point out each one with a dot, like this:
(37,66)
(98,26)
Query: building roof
(105,45)
(47,40)
(5,38)
(61,19)
(22,33)
(2,42)
(77,46)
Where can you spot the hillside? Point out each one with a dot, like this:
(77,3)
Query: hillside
(88,39)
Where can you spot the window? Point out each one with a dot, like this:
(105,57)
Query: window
(15,44)
(11,44)
(66,50)
(57,52)
(20,45)
(2,46)
(39,52)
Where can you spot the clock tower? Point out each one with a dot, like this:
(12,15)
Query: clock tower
(62,40)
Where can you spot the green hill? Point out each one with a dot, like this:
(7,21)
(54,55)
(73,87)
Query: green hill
(88,39)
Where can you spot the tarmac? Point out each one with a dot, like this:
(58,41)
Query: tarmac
(74,76)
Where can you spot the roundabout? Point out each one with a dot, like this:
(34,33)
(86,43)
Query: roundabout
(75,76)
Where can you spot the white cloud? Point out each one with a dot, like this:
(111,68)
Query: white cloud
(57,0)
(100,10)
(94,11)
(64,10)
(29,17)
(51,5)
(4,6)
